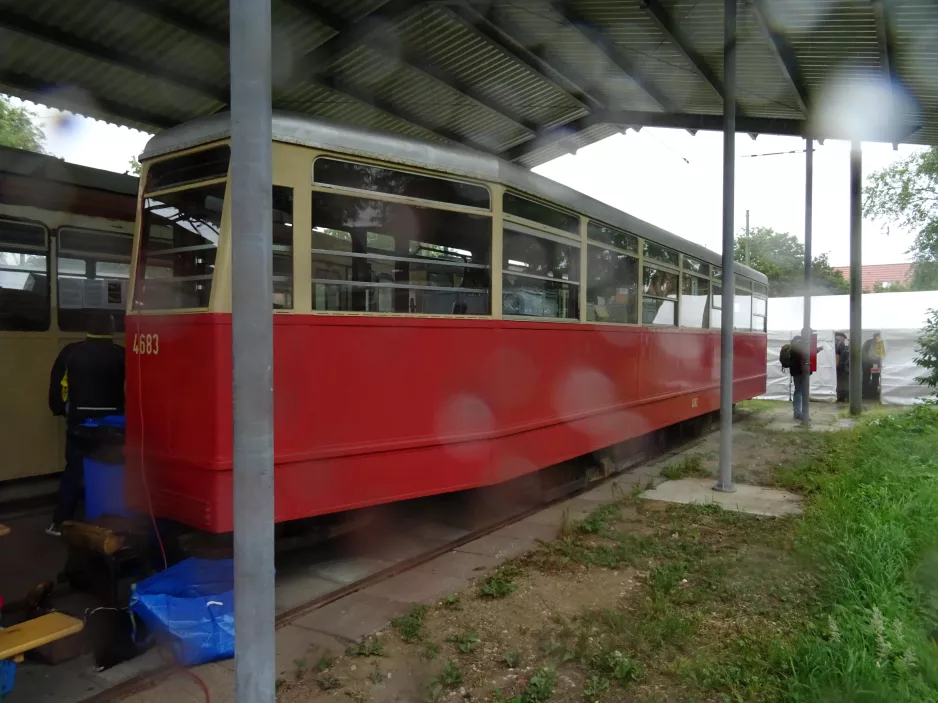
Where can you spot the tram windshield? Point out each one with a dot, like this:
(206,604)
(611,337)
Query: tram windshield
(179,231)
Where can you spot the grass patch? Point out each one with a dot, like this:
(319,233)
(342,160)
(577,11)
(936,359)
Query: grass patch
(499,583)
(369,647)
(410,625)
(690,466)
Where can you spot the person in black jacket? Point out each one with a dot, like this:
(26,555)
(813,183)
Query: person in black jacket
(842,352)
(800,382)
(87,381)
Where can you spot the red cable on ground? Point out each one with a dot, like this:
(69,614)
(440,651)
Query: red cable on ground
(169,659)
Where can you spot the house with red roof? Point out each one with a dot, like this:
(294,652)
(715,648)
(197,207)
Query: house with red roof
(883,274)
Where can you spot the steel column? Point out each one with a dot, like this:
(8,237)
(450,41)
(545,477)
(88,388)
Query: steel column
(806,331)
(856,280)
(725,480)
(250,192)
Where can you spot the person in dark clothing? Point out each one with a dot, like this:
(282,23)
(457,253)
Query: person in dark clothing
(842,352)
(87,381)
(872,366)
(799,380)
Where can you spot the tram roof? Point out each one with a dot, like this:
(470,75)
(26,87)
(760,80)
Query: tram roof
(456,161)
(527,80)
(50,168)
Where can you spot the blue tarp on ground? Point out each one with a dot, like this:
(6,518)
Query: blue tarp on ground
(189,608)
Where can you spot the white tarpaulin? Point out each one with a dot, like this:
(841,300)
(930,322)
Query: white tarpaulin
(898,317)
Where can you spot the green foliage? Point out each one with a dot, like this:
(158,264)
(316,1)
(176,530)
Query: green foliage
(691,465)
(133,166)
(595,687)
(780,256)
(17,128)
(370,647)
(511,660)
(466,643)
(928,352)
(325,661)
(328,682)
(410,624)
(500,583)
(597,521)
(907,193)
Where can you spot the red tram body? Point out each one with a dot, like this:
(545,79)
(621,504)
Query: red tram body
(371,409)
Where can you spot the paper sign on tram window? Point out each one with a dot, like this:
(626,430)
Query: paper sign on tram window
(70,293)
(94,293)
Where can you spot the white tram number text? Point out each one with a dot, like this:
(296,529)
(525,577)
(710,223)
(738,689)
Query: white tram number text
(693,402)
(146,344)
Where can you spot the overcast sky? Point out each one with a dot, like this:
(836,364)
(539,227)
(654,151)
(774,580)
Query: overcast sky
(664,176)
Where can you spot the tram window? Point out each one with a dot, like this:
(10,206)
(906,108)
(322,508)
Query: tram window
(695,302)
(24,278)
(283,247)
(345,174)
(758,323)
(759,289)
(612,236)
(611,286)
(659,298)
(660,253)
(197,166)
(179,233)
(543,214)
(380,256)
(742,309)
(696,266)
(540,277)
(92,270)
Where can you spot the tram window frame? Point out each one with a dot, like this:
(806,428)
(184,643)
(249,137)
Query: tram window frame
(516,205)
(386,267)
(689,278)
(282,253)
(201,166)
(201,295)
(93,247)
(743,290)
(611,237)
(473,195)
(26,246)
(696,267)
(716,288)
(568,308)
(674,302)
(594,288)
(650,249)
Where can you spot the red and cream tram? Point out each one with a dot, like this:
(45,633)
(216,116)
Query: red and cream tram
(442,320)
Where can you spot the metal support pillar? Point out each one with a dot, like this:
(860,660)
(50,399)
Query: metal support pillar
(806,332)
(250,194)
(728,300)
(856,280)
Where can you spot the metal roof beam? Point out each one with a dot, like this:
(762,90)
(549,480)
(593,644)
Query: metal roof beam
(505,38)
(882,9)
(179,20)
(404,115)
(660,15)
(754,125)
(26,26)
(784,54)
(57,96)
(367,31)
(598,38)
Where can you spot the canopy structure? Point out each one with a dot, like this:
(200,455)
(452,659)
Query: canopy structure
(528,80)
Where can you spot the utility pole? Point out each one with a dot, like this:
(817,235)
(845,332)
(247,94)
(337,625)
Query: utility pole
(747,239)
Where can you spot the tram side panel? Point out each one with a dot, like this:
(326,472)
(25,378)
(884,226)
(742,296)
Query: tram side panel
(376,409)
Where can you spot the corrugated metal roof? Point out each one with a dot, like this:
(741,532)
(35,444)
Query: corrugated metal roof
(525,79)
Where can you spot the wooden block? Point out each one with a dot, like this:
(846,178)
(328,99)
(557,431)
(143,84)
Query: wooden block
(16,640)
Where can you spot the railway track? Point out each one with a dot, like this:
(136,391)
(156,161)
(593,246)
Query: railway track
(662,445)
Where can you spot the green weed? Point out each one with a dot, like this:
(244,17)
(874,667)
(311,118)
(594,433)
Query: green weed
(499,583)
(511,660)
(595,687)
(369,647)
(689,466)
(466,643)
(328,682)
(410,625)
(325,661)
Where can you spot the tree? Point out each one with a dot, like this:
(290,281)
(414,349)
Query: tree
(780,256)
(928,352)
(907,193)
(17,128)
(133,167)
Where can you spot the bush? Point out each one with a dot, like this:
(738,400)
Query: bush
(928,352)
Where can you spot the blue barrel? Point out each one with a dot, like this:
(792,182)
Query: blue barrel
(104,467)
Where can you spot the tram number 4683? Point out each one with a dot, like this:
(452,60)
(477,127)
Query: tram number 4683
(146,344)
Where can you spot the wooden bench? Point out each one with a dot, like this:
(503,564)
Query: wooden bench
(15,641)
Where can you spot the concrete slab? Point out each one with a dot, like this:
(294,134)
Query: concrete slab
(182,688)
(499,546)
(353,617)
(755,500)
(348,570)
(298,646)
(296,588)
